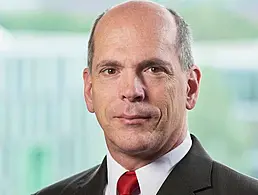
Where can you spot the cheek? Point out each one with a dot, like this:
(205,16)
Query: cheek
(172,97)
(104,90)
(105,99)
(177,97)
(103,95)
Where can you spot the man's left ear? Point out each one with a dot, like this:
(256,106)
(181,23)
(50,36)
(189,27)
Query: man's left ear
(194,77)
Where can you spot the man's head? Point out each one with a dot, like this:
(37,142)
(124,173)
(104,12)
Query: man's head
(141,79)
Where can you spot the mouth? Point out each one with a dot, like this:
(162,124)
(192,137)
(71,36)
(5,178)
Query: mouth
(133,119)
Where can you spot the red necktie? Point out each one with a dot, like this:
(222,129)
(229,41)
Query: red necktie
(128,183)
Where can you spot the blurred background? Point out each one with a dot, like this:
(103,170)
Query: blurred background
(46,132)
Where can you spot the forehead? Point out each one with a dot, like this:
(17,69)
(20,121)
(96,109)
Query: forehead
(134,34)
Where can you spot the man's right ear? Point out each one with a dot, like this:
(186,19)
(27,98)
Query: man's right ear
(88,89)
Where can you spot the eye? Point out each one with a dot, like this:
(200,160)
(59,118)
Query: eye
(155,69)
(109,71)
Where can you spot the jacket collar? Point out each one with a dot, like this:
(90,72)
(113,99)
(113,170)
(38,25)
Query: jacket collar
(190,176)
(94,183)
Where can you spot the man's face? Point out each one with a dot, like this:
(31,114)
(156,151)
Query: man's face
(137,88)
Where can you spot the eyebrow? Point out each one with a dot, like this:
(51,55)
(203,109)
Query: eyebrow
(142,64)
(108,63)
(154,61)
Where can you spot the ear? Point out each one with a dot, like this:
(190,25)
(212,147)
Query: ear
(194,77)
(88,89)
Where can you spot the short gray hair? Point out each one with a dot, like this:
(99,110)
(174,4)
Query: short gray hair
(182,46)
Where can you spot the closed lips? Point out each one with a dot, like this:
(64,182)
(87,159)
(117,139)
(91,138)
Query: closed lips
(131,117)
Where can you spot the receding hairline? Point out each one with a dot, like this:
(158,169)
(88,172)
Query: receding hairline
(151,9)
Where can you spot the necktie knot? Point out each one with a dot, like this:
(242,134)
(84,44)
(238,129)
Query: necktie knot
(128,184)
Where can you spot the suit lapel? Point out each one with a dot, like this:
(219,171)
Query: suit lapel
(191,175)
(96,183)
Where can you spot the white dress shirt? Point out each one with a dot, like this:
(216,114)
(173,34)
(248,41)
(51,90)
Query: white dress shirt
(152,176)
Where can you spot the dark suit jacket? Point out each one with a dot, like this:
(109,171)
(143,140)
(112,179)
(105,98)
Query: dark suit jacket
(195,174)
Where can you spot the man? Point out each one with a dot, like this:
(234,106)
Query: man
(140,82)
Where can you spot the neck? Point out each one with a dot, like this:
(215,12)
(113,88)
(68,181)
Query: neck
(136,161)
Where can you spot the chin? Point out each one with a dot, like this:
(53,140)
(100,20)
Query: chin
(136,145)
(133,139)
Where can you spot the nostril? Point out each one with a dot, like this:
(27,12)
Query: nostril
(139,98)
(136,98)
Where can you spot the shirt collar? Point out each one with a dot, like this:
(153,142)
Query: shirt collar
(114,171)
(157,170)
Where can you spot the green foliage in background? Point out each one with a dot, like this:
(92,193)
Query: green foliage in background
(38,169)
(211,23)
(46,21)
(207,22)
(213,121)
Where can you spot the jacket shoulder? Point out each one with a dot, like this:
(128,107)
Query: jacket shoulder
(69,184)
(228,181)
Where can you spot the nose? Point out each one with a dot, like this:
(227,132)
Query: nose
(131,88)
